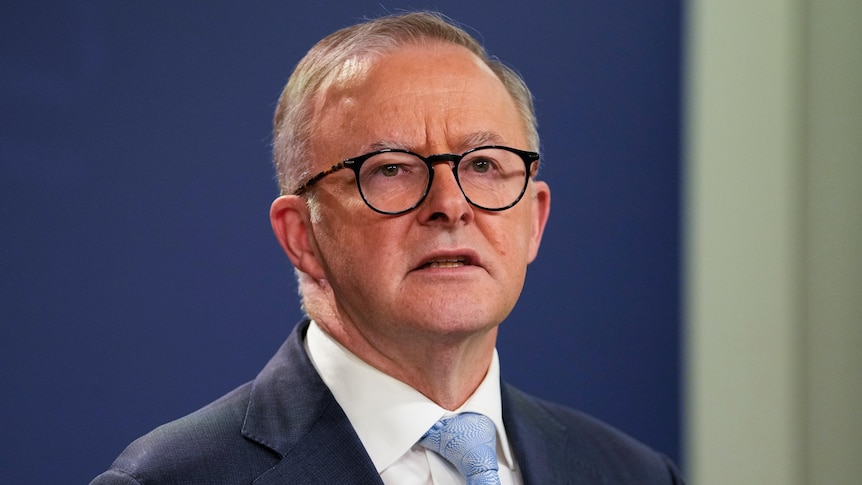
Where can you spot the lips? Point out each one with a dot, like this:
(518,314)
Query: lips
(450,259)
(445,263)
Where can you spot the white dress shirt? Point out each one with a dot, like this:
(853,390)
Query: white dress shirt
(390,417)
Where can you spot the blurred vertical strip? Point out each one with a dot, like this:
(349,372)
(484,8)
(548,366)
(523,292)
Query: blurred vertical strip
(773,225)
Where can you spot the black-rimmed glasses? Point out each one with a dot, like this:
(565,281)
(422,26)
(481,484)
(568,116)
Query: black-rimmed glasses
(394,181)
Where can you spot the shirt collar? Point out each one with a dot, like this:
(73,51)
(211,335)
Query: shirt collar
(388,415)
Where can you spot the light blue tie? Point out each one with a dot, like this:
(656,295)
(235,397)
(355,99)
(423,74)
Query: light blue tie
(468,441)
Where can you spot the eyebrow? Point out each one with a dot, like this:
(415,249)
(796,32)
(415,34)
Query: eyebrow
(466,142)
(481,138)
(387,144)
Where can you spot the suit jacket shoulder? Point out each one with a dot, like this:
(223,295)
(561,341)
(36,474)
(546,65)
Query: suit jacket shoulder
(283,427)
(206,443)
(557,444)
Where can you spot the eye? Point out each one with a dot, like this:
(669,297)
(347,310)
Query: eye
(480,165)
(389,165)
(390,170)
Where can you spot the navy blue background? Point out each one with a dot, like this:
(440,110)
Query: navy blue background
(140,279)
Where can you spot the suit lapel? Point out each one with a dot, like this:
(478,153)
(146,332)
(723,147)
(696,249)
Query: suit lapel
(541,444)
(330,453)
(293,413)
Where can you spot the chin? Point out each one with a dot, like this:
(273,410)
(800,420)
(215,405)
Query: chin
(459,320)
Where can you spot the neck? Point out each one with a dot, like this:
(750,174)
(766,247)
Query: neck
(447,369)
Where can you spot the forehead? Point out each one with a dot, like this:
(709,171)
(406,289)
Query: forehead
(419,97)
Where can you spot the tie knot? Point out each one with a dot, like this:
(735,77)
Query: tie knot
(468,441)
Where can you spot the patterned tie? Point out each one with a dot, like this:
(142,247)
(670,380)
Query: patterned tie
(468,441)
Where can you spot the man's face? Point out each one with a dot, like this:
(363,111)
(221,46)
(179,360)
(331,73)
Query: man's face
(445,268)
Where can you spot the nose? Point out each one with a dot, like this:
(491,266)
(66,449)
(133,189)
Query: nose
(445,202)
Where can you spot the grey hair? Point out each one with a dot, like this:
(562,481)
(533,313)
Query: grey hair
(344,52)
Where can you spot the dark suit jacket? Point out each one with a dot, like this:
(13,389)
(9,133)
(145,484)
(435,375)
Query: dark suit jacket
(285,427)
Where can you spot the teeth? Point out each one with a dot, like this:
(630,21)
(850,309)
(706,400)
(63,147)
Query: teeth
(446,263)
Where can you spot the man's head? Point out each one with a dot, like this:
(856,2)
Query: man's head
(447,267)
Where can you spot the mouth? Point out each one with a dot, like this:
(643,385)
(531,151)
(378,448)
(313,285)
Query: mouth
(446,263)
(450,260)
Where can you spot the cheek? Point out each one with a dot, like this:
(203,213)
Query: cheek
(354,249)
(335,243)
(511,253)
(511,239)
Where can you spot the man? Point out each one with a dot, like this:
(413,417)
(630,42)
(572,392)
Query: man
(410,209)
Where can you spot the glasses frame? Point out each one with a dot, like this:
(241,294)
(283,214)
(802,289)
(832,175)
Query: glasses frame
(529,158)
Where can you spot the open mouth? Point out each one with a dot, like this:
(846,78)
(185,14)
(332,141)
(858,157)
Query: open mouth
(445,263)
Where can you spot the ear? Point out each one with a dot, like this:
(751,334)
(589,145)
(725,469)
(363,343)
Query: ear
(291,223)
(541,209)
